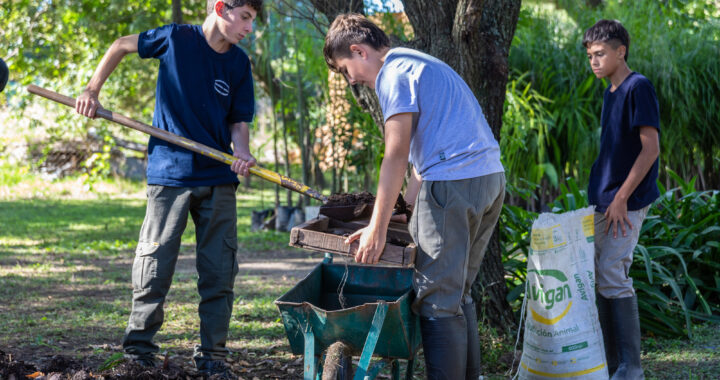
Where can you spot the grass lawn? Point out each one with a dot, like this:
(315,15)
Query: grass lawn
(65,258)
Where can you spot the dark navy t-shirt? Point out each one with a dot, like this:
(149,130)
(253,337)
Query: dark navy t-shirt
(632,105)
(199,93)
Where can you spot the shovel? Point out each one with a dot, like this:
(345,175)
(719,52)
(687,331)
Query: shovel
(196,147)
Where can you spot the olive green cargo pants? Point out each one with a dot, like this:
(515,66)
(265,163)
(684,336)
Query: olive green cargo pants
(213,210)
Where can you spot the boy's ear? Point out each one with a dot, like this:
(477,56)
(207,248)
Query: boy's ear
(219,5)
(358,49)
(621,51)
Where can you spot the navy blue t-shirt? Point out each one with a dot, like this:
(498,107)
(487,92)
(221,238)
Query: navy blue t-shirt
(199,93)
(632,105)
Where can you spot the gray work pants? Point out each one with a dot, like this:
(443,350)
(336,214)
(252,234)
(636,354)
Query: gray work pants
(213,210)
(614,256)
(451,225)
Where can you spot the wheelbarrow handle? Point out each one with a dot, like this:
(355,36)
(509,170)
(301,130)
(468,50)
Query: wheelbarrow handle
(186,143)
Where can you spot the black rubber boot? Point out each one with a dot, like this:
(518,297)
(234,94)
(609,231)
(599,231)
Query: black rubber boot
(445,347)
(472,372)
(603,305)
(626,328)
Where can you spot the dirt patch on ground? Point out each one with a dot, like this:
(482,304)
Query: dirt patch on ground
(62,367)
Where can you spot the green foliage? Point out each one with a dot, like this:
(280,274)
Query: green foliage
(570,198)
(515,225)
(525,138)
(676,269)
(552,109)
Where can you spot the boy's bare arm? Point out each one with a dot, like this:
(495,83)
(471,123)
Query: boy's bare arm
(616,213)
(398,130)
(240,134)
(87,103)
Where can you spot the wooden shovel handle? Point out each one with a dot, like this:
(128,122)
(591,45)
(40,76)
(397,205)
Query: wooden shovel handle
(186,143)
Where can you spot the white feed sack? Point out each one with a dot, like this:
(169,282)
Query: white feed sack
(562,332)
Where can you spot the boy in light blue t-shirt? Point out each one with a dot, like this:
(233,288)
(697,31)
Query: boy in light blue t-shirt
(432,120)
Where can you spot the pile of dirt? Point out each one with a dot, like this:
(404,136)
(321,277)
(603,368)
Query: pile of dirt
(341,200)
(350,199)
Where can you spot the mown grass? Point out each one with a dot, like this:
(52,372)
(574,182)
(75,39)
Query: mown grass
(65,258)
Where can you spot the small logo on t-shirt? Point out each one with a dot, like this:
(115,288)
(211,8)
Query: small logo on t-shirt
(221,87)
(442,156)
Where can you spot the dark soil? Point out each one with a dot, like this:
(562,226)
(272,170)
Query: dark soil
(395,241)
(350,199)
(61,368)
(359,199)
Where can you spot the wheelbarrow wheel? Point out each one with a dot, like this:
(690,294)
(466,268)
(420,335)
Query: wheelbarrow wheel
(338,362)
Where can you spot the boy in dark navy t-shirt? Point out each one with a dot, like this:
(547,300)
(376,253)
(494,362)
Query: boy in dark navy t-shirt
(205,93)
(622,187)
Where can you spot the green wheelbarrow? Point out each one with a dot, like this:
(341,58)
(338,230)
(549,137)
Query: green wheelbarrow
(374,319)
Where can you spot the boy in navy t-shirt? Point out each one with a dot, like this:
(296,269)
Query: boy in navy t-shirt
(432,119)
(622,187)
(205,93)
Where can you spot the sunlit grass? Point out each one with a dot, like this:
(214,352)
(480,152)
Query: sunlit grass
(65,259)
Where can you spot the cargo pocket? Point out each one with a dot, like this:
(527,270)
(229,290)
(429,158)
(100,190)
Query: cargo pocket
(145,264)
(231,246)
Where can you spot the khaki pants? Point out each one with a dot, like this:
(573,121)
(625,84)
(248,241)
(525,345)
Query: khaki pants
(613,256)
(214,212)
(451,225)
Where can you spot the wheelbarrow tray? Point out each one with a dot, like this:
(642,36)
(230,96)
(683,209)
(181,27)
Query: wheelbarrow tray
(325,234)
(313,304)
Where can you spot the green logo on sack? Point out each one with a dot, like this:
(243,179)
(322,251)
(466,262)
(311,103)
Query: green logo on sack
(548,297)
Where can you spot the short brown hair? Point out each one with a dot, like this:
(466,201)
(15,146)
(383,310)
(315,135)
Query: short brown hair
(254,4)
(351,29)
(608,31)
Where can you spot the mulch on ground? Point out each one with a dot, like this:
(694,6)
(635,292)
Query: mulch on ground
(60,367)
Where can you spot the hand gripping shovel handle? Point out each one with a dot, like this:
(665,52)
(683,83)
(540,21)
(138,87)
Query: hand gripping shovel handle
(205,150)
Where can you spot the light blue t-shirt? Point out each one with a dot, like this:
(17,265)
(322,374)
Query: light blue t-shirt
(451,139)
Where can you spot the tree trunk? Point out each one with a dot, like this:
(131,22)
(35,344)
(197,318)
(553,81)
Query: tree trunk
(276,159)
(473,37)
(177,12)
(285,138)
(301,127)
